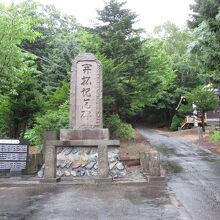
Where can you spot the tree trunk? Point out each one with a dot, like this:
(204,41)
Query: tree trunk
(203,120)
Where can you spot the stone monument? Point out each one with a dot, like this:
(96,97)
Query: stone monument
(84,149)
(85,118)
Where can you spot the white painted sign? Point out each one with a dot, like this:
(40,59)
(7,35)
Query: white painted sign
(8,141)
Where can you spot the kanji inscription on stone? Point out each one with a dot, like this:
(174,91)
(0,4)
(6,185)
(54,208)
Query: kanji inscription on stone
(86,93)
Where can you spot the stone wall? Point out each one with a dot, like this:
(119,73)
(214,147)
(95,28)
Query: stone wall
(83,162)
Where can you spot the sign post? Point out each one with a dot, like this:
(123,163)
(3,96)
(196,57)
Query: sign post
(13,156)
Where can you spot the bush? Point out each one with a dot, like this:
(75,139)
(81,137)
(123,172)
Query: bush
(51,120)
(176,122)
(119,129)
(215,136)
(34,137)
(4,116)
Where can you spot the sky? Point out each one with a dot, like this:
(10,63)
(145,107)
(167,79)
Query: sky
(150,12)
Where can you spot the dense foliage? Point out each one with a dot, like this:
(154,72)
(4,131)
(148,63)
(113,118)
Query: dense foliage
(206,45)
(143,77)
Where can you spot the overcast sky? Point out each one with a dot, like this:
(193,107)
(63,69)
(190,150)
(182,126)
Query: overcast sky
(151,12)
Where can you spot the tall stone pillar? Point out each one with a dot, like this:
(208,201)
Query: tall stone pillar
(85,118)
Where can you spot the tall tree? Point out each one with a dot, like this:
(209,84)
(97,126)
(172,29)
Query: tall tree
(206,46)
(129,74)
(55,48)
(18,90)
(22,106)
(172,42)
(203,10)
(119,39)
(176,43)
(17,26)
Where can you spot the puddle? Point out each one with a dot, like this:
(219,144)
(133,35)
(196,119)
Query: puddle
(8,216)
(167,151)
(209,159)
(146,196)
(171,167)
(203,153)
(180,155)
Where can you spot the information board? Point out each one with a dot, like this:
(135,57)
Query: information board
(13,155)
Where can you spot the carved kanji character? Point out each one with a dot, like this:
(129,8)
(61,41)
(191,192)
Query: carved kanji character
(86,80)
(87,68)
(86,92)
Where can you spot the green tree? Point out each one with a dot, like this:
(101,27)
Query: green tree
(119,39)
(205,100)
(23,105)
(55,48)
(18,91)
(203,10)
(176,44)
(53,115)
(133,72)
(17,26)
(121,47)
(206,45)
(156,82)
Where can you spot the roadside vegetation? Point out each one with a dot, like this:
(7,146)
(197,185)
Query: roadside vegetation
(215,137)
(144,74)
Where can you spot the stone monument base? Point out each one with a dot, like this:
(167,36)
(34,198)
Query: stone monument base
(77,158)
(84,134)
(50,180)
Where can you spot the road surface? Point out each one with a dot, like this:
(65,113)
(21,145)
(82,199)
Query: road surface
(190,191)
(193,175)
(87,202)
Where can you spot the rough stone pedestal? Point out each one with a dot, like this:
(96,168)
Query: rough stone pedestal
(51,156)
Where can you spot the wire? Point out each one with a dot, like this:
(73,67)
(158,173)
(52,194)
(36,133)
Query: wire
(43,58)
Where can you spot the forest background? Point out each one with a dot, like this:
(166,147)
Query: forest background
(144,77)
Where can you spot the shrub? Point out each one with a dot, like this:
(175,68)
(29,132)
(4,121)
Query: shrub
(215,136)
(176,122)
(4,116)
(51,120)
(119,129)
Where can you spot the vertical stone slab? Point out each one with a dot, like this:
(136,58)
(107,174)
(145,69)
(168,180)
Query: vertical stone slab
(150,163)
(50,162)
(48,136)
(154,163)
(144,161)
(103,168)
(86,93)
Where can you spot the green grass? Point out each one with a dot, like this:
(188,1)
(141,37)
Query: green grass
(215,137)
